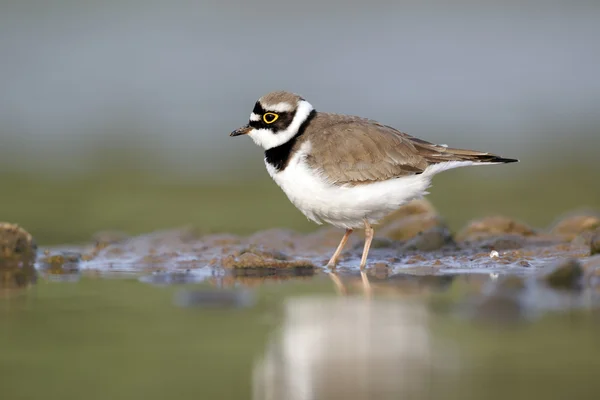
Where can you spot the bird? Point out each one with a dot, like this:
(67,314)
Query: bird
(345,170)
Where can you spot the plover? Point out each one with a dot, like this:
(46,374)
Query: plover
(345,170)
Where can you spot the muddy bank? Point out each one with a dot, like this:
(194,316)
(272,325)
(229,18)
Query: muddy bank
(413,248)
(413,239)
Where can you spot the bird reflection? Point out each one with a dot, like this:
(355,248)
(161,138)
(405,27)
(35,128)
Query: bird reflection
(349,346)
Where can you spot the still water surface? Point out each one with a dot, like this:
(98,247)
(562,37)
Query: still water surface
(131,337)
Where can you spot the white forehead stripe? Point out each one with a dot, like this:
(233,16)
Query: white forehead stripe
(254,117)
(279,107)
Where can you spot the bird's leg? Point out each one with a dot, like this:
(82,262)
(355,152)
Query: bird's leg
(333,262)
(368,239)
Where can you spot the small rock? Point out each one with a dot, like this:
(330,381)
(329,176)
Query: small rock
(16,242)
(573,225)
(251,260)
(565,274)
(17,257)
(409,220)
(595,244)
(584,239)
(494,226)
(505,242)
(66,262)
(254,250)
(430,240)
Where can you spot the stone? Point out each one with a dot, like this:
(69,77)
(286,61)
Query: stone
(65,262)
(503,242)
(261,252)
(16,242)
(256,259)
(575,224)
(409,220)
(18,253)
(494,226)
(430,240)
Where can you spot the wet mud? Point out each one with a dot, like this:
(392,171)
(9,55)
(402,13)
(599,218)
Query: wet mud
(509,266)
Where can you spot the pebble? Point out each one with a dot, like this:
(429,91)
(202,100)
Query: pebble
(494,226)
(573,225)
(430,240)
(16,242)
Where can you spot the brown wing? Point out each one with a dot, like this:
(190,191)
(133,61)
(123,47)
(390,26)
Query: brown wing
(352,150)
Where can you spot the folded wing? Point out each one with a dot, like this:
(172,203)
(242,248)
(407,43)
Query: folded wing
(354,151)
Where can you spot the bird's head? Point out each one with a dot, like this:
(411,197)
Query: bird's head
(276,118)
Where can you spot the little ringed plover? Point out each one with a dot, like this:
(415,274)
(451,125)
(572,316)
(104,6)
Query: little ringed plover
(344,170)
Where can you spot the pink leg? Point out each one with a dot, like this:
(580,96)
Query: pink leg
(333,262)
(368,239)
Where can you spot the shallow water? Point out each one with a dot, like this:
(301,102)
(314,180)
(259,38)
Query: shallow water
(180,315)
(404,336)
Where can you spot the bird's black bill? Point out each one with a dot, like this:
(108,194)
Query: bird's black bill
(244,130)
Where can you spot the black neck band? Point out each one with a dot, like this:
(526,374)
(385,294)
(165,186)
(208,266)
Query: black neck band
(279,156)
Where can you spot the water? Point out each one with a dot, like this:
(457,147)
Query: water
(263,338)
(177,314)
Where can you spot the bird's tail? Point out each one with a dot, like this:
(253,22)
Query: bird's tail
(435,153)
(475,156)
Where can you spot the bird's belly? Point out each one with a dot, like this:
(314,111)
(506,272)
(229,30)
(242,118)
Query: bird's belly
(344,206)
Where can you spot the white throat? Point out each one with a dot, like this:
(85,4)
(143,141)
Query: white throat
(266,139)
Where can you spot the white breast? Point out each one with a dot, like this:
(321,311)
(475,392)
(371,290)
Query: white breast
(348,206)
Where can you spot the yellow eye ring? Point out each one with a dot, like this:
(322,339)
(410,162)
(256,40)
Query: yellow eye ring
(270,117)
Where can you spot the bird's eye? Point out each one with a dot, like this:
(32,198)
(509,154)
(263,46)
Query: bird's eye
(270,117)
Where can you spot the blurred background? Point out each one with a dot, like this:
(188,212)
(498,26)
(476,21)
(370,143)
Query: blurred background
(116,114)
